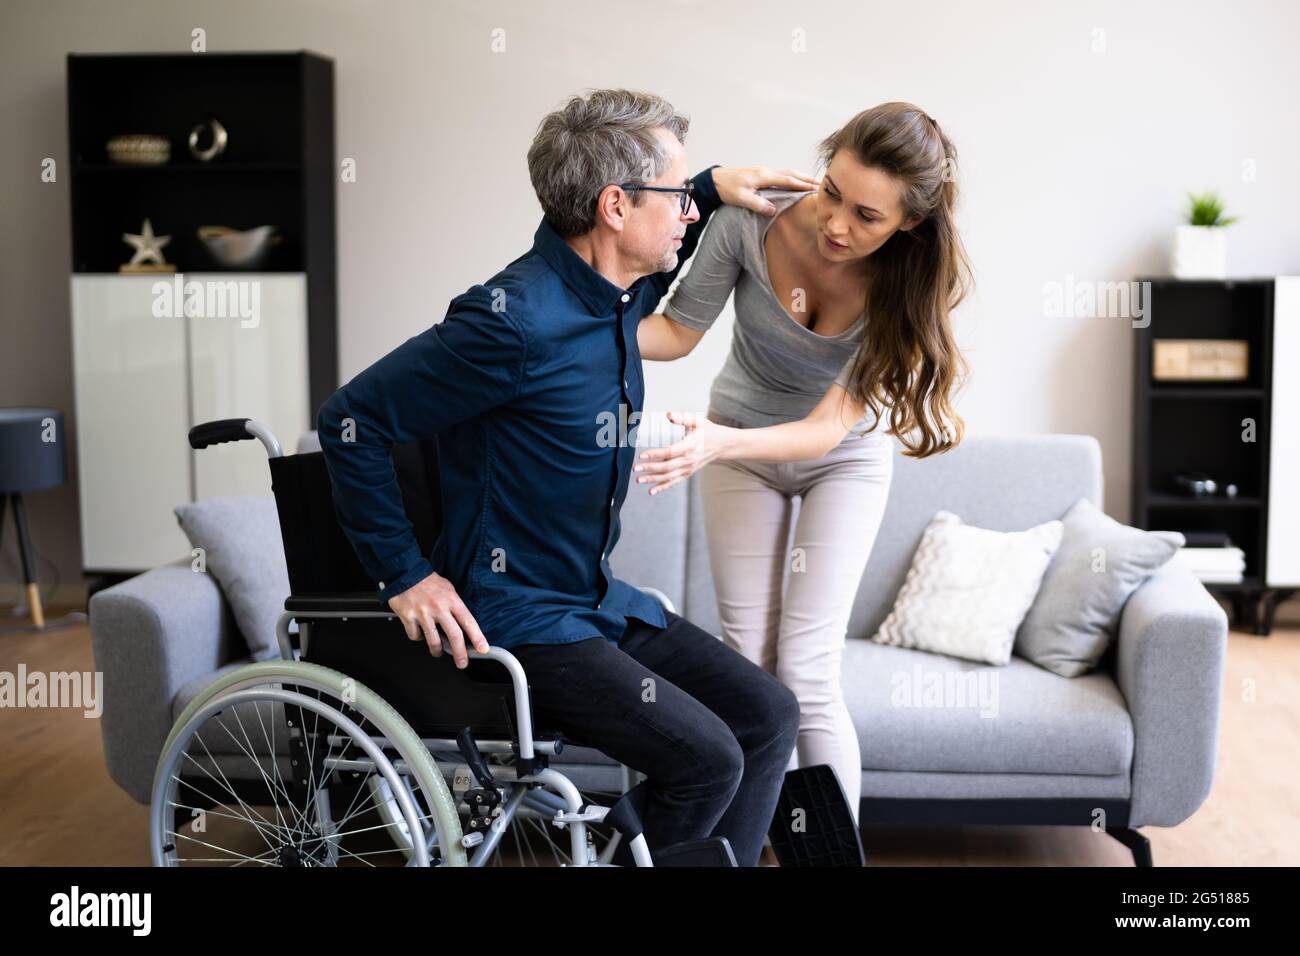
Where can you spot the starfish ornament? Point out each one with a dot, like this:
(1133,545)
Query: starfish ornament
(148,247)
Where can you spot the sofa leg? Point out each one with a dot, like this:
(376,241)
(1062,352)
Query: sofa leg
(1268,603)
(1136,842)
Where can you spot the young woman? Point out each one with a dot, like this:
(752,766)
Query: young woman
(842,305)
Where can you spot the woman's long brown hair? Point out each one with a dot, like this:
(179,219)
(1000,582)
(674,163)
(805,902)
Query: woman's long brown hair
(908,360)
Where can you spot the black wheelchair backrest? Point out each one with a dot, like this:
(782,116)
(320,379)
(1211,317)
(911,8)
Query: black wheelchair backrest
(319,556)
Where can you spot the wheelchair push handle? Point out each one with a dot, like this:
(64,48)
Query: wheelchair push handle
(234,429)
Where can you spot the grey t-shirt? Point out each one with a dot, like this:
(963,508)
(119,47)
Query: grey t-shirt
(777,370)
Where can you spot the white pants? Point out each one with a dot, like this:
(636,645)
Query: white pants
(786,606)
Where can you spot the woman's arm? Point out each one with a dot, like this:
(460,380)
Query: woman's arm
(660,339)
(810,437)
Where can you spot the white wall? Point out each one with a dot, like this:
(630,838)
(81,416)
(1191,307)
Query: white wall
(1074,162)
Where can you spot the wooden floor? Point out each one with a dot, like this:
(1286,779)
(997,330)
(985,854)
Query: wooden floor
(59,807)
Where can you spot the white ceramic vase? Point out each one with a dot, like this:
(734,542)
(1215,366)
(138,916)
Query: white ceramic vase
(1200,252)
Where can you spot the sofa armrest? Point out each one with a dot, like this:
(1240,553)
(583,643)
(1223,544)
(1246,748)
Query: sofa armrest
(152,634)
(1169,665)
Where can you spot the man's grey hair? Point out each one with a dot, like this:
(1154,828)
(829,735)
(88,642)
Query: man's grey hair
(597,138)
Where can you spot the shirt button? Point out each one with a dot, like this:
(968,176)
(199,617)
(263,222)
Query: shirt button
(626,297)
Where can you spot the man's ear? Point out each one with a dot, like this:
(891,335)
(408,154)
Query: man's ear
(612,208)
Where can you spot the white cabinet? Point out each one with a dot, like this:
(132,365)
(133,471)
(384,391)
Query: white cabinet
(1283,561)
(146,369)
(133,462)
(243,370)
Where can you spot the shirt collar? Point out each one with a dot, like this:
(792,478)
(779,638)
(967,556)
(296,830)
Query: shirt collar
(597,293)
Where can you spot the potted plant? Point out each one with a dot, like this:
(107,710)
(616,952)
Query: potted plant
(1200,246)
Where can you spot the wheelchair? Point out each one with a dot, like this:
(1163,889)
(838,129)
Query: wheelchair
(287,762)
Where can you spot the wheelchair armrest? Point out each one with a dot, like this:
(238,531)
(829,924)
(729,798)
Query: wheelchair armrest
(369,602)
(662,598)
(325,605)
(304,607)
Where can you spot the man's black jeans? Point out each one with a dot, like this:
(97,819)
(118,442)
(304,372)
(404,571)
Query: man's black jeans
(711,730)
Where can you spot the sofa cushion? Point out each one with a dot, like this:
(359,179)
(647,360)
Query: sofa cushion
(968,588)
(240,537)
(1003,483)
(922,712)
(243,724)
(191,689)
(1099,564)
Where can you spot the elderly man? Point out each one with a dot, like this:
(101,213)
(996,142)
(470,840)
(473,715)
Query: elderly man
(516,382)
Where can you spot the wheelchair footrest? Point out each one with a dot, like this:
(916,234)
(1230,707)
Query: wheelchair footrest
(813,825)
(711,851)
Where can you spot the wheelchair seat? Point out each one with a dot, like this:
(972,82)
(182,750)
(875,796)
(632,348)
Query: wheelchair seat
(437,698)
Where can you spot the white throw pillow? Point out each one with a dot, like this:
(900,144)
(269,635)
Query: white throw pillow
(969,588)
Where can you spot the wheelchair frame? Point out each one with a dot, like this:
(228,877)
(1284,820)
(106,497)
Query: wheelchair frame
(542,791)
(572,813)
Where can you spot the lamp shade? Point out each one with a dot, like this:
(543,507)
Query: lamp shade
(31,449)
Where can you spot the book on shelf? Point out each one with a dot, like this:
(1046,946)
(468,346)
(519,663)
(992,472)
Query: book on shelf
(1223,565)
(1207,539)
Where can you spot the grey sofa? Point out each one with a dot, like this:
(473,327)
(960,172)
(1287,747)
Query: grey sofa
(1135,740)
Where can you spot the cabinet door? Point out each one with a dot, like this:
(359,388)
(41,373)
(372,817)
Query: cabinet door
(1283,562)
(248,359)
(133,457)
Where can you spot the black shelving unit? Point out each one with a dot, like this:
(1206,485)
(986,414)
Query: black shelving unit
(1191,426)
(278,168)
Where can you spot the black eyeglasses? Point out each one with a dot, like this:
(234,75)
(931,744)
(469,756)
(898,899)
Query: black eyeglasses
(687,191)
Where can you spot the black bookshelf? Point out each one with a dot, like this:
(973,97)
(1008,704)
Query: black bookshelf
(278,168)
(1181,427)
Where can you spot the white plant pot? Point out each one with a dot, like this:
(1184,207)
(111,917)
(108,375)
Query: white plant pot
(1200,252)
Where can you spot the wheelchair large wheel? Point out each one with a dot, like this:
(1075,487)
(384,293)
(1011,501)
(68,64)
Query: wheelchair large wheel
(271,766)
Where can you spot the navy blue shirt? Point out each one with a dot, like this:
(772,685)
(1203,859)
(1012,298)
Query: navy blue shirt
(527,383)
